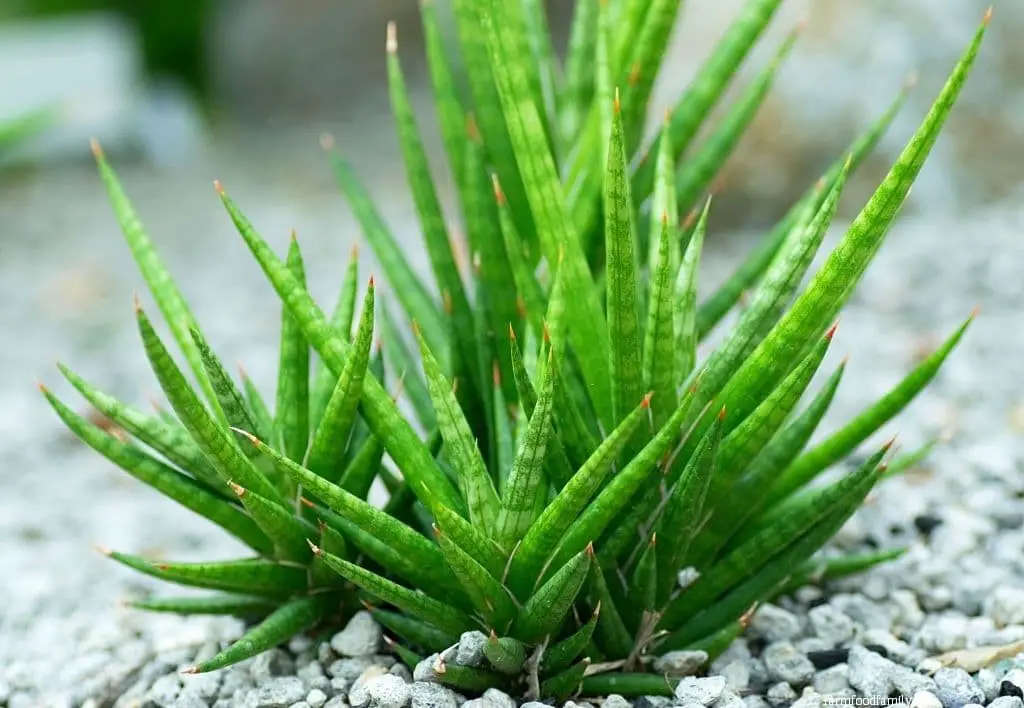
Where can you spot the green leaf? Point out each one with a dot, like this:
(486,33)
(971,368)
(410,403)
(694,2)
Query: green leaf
(168,298)
(292,412)
(489,597)
(460,447)
(358,476)
(505,654)
(747,497)
(664,208)
(407,370)
(699,169)
(646,53)
(722,300)
(659,373)
(686,313)
(428,207)
(560,655)
(408,657)
(578,87)
(280,626)
(215,441)
(774,294)
(471,540)
(414,602)
(410,453)
(288,531)
(544,612)
(563,685)
(527,288)
(466,678)
(417,301)
(230,399)
(844,441)
(817,571)
(332,435)
(171,441)
(414,631)
(341,319)
(262,418)
(543,535)
(610,632)
(743,444)
(420,555)
(618,493)
(236,605)
(546,199)
(707,87)
(621,273)
(527,485)
(254,576)
(627,684)
(191,494)
(769,538)
(643,586)
(685,510)
(451,117)
(835,281)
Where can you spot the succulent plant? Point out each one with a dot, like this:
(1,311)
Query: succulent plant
(573,481)
(15,131)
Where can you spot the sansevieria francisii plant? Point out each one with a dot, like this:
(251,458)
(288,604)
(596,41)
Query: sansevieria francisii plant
(572,480)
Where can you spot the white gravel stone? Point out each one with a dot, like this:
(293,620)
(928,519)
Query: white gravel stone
(1005,605)
(361,636)
(830,624)
(925,699)
(316,698)
(681,663)
(785,663)
(957,688)
(781,694)
(431,695)
(700,690)
(278,692)
(1007,702)
(775,624)
(388,691)
(870,674)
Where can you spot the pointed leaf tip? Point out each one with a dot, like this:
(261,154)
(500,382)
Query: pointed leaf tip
(511,332)
(96,148)
(218,187)
(987,17)
(831,331)
(317,551)
(975,312)
(499,195)
(190,670)
(721,413)
(496,373)
(747,617)
(237,489)
(646,401)
(590,549)
(615,102)
(306,503)
(326,142)
(391,44)
(248,436)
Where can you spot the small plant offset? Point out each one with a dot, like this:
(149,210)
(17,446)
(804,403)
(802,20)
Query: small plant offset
(584,490)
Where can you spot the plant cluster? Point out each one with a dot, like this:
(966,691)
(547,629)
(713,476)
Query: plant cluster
(573,479)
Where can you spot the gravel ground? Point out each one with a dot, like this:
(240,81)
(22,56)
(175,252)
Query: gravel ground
(66,282)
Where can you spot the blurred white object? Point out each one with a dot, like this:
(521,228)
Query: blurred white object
(89,68)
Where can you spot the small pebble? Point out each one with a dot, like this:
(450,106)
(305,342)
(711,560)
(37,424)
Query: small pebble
(1007,702)
(681,663)
(614,700)
(956,688)
(470,649)
(785,663)
(870,673)
(387,691)
(361,636)
(316,698)
(431,695)
(781,694)
(278,692)
(737,675)
(775,624)
(925,699)
(832,680)
(700,690)
(1005,605)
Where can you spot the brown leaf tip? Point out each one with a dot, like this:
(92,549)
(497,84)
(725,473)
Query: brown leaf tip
(654,539)
(645,402)
(317,551)
(616,105)
(511,332)
(888,445)
(105,551)
(354,252)
(96,148)
(493,636)
(326,141)
(831,331)
(800,27)
(634,74)
(496,373)
(546,332)
(472,129)
(668,116)
(721,413)
(664,217)
(372,282)
(137,303)
(975,312)
(218,187)
(389,641)
(306,502)
(597,610)
(237,489)
(748,616)
(391,44)
(42,388)
(590,549)
(987,17)
(499,195)
(249,436)
(190,670)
